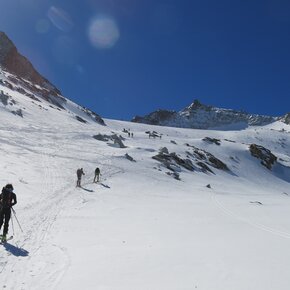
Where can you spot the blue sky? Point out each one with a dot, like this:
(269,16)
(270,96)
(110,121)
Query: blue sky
(123,58)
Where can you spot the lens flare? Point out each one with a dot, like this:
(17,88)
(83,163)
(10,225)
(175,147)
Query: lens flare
(60,19)
(103,32)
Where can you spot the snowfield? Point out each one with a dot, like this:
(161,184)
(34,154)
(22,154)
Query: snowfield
(139,228)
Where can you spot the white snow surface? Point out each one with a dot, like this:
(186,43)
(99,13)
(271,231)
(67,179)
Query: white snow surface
(139,228)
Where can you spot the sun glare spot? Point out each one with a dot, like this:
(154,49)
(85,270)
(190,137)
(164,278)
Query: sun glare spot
(103,32)
(60,19)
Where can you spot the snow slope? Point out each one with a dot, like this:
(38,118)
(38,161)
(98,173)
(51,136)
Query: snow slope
(140,228)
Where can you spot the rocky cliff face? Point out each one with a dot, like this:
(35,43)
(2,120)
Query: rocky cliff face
(15,63)
(200,116)
(24,74)
(18,74)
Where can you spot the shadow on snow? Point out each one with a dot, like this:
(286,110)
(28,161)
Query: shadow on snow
(86,189)
(18,252)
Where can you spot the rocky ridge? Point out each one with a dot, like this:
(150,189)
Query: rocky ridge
(200,116)
(18,75)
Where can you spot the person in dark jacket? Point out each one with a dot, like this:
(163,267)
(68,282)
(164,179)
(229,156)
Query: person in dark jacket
(80,173)
(97,174)
(7,200)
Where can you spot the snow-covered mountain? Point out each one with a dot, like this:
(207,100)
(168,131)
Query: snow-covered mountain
(18,75)
(199,116)
(175,208)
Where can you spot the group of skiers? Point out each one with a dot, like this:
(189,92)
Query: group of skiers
(80,173)
(130,134)
(8,199)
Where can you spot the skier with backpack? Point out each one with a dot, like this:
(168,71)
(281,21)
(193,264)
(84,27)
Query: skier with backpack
(80,173)
(7,200)
(97,174)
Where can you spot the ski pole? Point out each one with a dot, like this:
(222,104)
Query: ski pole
(12,225)
(16,219)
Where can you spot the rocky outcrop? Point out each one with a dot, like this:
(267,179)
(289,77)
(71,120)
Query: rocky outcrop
(212,140)
(198,160)
(117,140)
(4,98)
(267,158)
(203,157)
(155,118)
(130,158)
(94,116)
(80,119)
(172,161)
(285,119)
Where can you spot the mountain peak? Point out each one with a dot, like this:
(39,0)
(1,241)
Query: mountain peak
(197,105)
(200,116)
(13,62)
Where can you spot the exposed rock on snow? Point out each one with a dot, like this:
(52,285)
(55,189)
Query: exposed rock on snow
(164,150)
(285,119)
(256,202)
(4,98)
(153,134)
(130,158)
(210,159)
(174,174)
(102,137)
(212,140)
(173,162)
(155,118)
(115,138)
(81,119)
(265,155)
(18,113)
(118,141)
(198,160)
(94,116)
(204,168)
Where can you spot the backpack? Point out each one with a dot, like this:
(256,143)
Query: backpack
(97,171)
(6,198)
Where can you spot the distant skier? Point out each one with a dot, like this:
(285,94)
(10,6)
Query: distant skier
(97,174)
(7,200)
(80,173)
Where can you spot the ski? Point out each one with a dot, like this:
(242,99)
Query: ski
(3,241)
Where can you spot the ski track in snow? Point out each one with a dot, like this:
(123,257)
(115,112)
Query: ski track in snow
(252,223)
(143,229)
(43,213)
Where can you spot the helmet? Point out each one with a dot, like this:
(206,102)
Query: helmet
(9,186)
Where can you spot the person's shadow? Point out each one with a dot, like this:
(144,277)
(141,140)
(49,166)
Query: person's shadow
(105,185)
(18,252)
(89,190)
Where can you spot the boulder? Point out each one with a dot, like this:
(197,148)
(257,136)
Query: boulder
(267,158)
